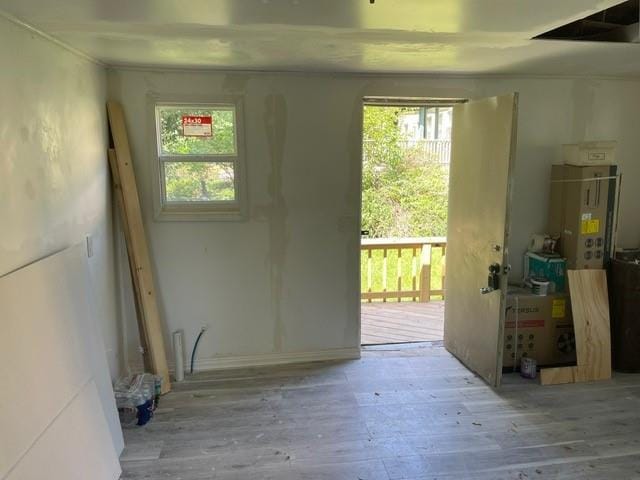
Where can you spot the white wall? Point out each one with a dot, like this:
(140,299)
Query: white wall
(54,180)
(286,280)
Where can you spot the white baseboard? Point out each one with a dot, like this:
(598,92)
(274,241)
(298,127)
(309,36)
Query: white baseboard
(264,359)
(236,361)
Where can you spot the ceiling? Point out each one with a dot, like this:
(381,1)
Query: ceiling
(400,36)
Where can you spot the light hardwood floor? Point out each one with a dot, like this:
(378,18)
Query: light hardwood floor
(398,413)
(398,322)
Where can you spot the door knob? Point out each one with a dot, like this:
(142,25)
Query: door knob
(493,280)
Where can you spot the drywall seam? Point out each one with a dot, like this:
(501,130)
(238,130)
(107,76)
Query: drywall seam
(50,38)
(55,252)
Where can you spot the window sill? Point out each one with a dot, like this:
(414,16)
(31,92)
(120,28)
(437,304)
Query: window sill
(183,214)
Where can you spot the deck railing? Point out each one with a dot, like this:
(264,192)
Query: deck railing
(431,151)
(438,151)
(397,269)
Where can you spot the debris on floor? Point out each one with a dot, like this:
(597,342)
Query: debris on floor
(137,398)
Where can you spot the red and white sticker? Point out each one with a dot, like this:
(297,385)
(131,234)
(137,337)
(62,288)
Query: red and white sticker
(197,126)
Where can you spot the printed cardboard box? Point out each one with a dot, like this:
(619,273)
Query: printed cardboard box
(582,213)
(543,331)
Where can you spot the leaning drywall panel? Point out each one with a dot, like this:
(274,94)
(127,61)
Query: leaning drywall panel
(51,349)
(76,446)
(92,340)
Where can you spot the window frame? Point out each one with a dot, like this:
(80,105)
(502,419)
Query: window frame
(198,210)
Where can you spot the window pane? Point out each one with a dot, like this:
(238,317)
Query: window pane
(199,181)
(197,131)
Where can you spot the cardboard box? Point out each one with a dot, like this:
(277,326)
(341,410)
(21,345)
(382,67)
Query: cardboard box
(589,154)
(544,329)
(582,213)
(546,266)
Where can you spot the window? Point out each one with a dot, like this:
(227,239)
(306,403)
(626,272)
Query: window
(199,159)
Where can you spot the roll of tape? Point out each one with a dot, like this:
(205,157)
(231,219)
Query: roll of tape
(536,244)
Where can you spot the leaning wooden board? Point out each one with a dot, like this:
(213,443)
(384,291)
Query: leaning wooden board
(137,246)
(117,192)
(590,307)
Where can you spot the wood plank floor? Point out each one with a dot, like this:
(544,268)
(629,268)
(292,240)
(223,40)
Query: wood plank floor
(398,413)
(398,322)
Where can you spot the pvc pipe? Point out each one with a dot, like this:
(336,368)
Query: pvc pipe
(178,351)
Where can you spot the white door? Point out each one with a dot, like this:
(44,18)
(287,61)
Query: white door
(482,157)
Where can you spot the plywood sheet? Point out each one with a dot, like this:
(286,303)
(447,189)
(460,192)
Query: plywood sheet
(555,376)
(137,245)
(590,307)
(483,146)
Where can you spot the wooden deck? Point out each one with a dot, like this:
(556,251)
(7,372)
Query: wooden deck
(393,322)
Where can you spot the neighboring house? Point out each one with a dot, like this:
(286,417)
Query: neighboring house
(426,123)
(429,126)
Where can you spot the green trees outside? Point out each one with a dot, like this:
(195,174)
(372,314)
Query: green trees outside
(222,142)
(404,190)
(187,181)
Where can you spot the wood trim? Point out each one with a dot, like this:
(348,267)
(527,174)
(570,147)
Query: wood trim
(137,245)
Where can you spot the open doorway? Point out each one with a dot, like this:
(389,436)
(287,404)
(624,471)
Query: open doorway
(405,180)
(473,194)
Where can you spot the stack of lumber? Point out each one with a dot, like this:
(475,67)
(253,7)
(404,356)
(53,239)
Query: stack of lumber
(126,193)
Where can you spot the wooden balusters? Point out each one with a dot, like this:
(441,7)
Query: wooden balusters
(384,273)
(443,268)
(425,273)
(414,272)
(369,273)
(417,286)
(399,274)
